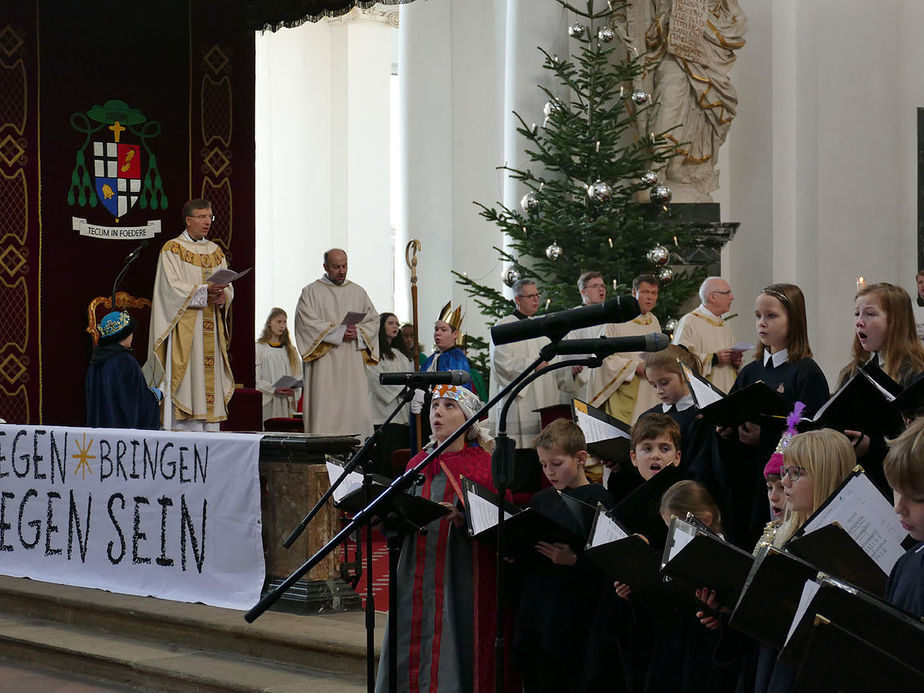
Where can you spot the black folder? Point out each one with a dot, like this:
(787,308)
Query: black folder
(706,561)
(835,659)
(867,618)
(522,531)
(416,510)
(860,406)
(911,400)
(771,595)
(612,449)
(756,402)
(835,552)
(640,511)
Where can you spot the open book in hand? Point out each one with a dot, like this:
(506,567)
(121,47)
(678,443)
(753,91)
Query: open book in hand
(224,275)
(696,557)
(757,402)
(625,557)
(854,535)
(350,496)
(523,529)
(287,381)
(863,403)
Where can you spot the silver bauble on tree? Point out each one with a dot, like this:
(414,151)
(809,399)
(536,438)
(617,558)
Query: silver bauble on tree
(650,178)
(511,276)
(665,276)
(530,203)
(576,30)
(606,34)
(599,191)
(661,194)
(554,251)
(670,325)
(659,255)
(640,97)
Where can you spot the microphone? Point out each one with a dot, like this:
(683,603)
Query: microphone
(414,379)
(557,325)
(604,346)
(137,251)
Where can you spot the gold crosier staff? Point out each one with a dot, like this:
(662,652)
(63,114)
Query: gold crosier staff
(410,257)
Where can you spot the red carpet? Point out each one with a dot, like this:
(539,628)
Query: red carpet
(379,569)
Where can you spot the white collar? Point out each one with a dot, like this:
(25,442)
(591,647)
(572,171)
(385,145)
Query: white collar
(779,358)
(682,404)
(878,358)
(189,238)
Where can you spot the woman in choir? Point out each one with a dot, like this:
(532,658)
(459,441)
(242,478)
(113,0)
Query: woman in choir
(276,357)
(445,582)
(384,398)
(783,360)
(885,336)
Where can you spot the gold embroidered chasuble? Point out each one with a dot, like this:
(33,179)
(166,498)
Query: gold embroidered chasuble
(201,382)
(704,334)
(616,386)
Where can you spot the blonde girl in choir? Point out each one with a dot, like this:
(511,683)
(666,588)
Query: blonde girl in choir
(276,357)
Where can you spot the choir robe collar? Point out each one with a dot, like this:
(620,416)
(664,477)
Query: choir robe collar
(681,404)
(779,358)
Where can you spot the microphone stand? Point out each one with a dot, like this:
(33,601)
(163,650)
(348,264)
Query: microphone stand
(362,456)
(132,256)
(399,485)
(502,473)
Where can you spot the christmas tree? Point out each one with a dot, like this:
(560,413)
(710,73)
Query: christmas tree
(589,168)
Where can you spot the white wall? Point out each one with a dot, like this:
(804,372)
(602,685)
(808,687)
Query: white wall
(822,157)
(322,158)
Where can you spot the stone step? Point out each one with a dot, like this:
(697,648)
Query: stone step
(144,665)
(331,642)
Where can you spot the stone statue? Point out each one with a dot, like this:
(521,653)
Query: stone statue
(689,48)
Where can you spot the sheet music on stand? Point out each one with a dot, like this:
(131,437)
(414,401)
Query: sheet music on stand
(864,513)
(605,530)
(352,483)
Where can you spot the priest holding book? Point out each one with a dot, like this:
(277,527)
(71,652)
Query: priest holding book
(336,330)
(188,346)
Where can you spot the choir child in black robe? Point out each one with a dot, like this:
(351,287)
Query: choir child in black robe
(886,336)
(665,375)
(682,653)
(783,360)
(904,470)
(556,643)
(117,394)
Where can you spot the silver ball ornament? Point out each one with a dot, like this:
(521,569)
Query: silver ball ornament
(530,203)
(553,252)
(661,194)
(606,34)
(550,108)
(599,191)
(659,255)
(576,30)
(650,178)
(670,326)
(511,276)
(665,276)
(640,97)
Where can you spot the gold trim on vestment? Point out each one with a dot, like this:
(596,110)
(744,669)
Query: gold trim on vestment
(711,321)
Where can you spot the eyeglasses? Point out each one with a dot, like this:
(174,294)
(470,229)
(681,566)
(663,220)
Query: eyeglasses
(595,286)
(794,472)
(724,293)
(535,295)
(203,217)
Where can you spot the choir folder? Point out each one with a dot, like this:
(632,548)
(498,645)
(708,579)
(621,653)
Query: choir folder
(523,529)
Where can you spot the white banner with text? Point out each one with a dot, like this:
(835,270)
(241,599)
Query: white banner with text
(159,513)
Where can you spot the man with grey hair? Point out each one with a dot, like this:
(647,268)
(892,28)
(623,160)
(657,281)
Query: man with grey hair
(705,333)
(509,360)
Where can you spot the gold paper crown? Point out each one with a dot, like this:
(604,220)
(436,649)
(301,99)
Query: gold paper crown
(450,316)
